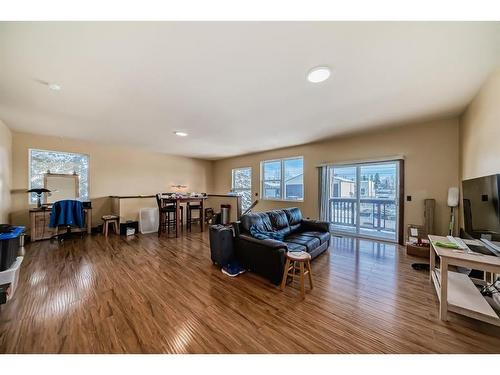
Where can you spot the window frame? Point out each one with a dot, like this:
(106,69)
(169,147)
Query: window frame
(61,152)
(282,180)
(234,189)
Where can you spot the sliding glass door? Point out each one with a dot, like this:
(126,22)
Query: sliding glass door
(344,199)
(364,199)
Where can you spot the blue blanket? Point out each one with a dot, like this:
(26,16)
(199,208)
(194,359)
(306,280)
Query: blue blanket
(261,234)
(67,212)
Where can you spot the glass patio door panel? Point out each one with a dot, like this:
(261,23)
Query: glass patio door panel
(364,198)
(343,199)
(378,194)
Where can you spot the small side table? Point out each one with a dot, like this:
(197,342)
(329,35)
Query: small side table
(297,261)
(108,219)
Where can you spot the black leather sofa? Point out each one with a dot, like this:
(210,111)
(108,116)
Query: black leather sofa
(267,257)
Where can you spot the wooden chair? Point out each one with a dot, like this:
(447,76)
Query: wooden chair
(167,214)
(297,261)
(110,219)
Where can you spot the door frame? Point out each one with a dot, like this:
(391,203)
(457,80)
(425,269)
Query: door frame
(399,199)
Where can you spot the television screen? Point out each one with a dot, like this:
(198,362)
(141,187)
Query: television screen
(481,207)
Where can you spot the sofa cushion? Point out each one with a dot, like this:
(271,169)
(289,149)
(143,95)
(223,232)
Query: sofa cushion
(293,215)
(259,219)
(318,250)
(279,221)
(294,228)
(291,246)
(321,236)
(309,242)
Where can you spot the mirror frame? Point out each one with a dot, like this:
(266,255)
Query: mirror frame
(74,176)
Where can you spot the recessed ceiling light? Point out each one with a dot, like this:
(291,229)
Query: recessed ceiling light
(181,134)
(54,86)
(318,74)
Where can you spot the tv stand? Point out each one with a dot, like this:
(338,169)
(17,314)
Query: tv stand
(456,291)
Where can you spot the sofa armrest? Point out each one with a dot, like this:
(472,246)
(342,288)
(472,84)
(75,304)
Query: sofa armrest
(236,228)
(315,225)
(265,257)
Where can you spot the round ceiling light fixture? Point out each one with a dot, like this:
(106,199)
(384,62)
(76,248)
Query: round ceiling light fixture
(318,74)
(54,86)
(181,134)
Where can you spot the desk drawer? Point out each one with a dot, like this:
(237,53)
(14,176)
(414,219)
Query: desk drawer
(39,224)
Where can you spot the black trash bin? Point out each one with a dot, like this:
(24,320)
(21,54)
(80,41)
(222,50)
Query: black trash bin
(221,244)
(10,241)
(129,224)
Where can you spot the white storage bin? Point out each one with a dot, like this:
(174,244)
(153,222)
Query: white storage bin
(148,220)
(11,276)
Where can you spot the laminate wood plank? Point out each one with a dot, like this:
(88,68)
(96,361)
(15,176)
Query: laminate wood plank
(144,294)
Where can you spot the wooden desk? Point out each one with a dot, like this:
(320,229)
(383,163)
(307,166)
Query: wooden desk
(456,291)
(39,223)
(178,201)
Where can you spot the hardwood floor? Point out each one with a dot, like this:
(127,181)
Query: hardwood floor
(163,295)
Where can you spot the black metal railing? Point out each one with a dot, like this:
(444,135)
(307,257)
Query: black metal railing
(375,213)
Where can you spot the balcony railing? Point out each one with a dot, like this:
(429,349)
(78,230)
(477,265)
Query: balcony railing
(375,213)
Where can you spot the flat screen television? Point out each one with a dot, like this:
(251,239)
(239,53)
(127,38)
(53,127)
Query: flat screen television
(481,207)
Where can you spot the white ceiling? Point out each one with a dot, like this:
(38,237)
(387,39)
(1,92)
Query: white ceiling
(236,87)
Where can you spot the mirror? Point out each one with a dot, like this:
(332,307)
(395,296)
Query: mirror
(62,186)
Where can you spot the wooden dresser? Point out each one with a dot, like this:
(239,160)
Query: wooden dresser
(39,223)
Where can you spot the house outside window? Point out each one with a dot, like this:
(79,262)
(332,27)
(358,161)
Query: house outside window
(283,179)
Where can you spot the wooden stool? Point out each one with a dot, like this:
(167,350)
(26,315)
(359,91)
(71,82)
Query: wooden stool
(300,261)
(190,219)
(108,219)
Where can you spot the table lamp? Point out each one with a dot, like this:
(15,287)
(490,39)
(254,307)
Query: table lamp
(38,192)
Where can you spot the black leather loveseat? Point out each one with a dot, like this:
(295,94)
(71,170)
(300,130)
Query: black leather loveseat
(267,257)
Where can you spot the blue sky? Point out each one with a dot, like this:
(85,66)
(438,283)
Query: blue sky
(293,167)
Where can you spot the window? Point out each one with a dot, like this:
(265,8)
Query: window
(42,161)
(272,179)
(283,179)
(242,184)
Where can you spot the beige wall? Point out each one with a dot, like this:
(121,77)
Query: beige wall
(114,170)
(480,132)
(5,172)
(431,165)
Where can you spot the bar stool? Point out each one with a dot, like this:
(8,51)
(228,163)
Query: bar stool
(167,214)
(110,219)
(297,261)
(189,211)
(171,216)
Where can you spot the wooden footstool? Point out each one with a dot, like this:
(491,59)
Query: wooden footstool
(110,219)
(297,261)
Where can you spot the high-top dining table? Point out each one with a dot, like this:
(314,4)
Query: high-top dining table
(185,199)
